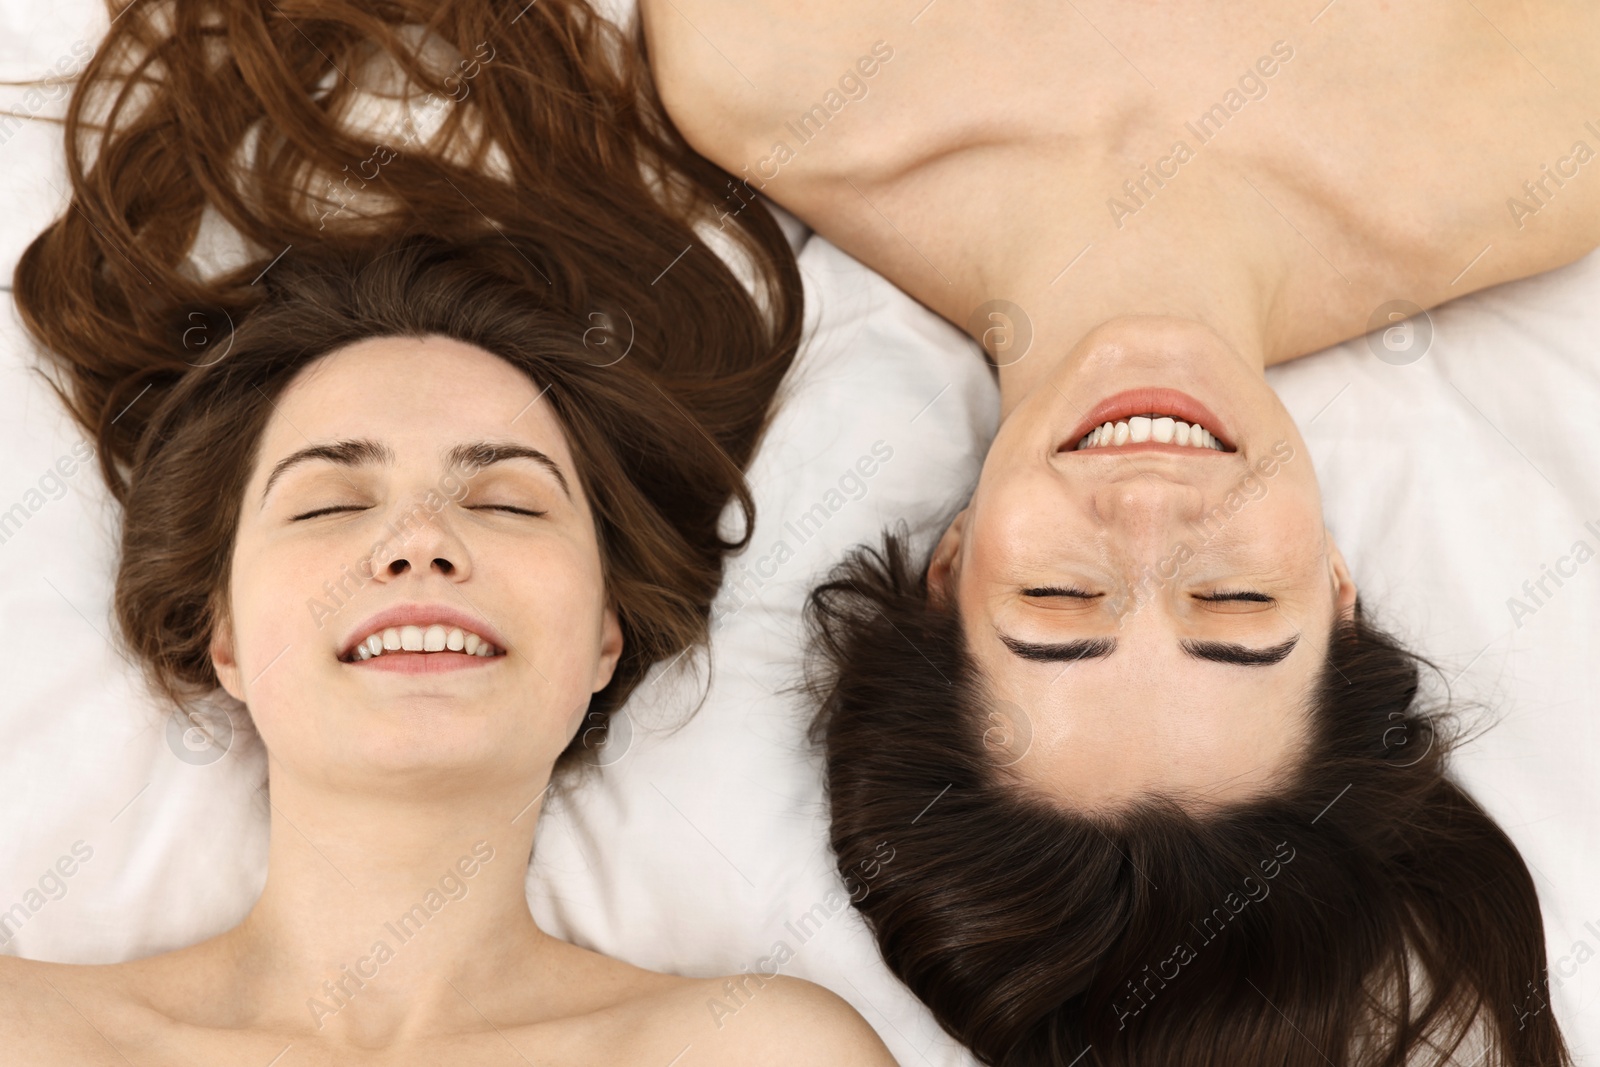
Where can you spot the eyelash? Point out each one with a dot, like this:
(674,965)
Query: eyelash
(1071,591)
(1083,594)
(325,511)
(356,507)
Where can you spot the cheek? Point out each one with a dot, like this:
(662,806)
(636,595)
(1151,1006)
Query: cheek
(284,626)
(1292,509)
(1290,521)
(559,603)
(562,581)
(1018,514)
(1287,502)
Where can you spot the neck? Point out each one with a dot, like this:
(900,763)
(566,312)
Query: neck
(386,917)
(1195,275)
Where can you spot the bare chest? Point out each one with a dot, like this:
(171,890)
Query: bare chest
(1360,153)
(87,1017)
(113,1035)
(176,1048)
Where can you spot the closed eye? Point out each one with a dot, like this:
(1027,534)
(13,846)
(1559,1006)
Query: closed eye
(1257,598)
(1070,591)
(333,509)
(511,508)
(328,510)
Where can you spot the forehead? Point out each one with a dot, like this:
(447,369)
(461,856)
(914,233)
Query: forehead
(422,392)
(1150,719)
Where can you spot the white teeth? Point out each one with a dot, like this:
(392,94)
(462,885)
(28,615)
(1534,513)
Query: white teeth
(434,638)
(1152,427)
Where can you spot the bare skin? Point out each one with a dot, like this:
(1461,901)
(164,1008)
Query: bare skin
(1118,199)
(575,1008)
(404,802)
(979,163)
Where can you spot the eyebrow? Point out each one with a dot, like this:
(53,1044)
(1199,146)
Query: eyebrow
(480,454)
(1064,652)
(1240,655)
(1216,651)
(361,451)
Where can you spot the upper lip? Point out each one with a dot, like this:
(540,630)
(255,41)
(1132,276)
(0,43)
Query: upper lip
(420,615)
(1131,402)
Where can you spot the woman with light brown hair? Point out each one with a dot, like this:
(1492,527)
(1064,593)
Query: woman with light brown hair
(425,479)
(1160,792)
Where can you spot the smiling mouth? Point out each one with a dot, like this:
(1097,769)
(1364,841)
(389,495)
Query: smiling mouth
(424,662)
(1150,429)
(434,640)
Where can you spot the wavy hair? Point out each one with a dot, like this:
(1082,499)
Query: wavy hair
(1369,913)
(543,210)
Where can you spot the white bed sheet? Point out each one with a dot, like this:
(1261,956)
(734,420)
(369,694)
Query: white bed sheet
(1449,482)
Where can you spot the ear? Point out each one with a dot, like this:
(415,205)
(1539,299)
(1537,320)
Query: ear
(223,658)
(610,648)
(1344,587)
(945,567)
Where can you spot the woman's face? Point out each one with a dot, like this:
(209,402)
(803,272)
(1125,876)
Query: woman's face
(506,549)
(1150,617)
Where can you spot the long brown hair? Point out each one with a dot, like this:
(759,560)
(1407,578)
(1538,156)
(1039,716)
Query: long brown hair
(551,219)
(1371,913)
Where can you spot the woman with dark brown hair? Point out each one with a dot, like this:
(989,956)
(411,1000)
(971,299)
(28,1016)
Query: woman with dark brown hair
(425,480)
(1159,791)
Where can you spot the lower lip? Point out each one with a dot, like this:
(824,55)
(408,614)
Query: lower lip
(425,662)
(1130,402)
(1147,446)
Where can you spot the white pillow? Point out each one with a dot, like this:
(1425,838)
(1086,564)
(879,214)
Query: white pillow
(1449,482)
(702,845)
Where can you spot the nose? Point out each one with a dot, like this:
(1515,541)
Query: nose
(1147,517)
(419,538)
(1147,506)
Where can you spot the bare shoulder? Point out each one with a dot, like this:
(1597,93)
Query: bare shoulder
(781,1021)
(761,60)
(41,1011)
(806,1024)
(25,998)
